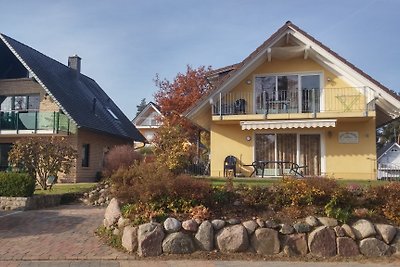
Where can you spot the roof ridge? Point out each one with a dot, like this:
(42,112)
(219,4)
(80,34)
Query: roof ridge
(37,51)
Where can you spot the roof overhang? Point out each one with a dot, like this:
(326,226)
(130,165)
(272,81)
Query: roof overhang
(287,124)
(290,41)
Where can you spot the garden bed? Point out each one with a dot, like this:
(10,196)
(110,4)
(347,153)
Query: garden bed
(150,193)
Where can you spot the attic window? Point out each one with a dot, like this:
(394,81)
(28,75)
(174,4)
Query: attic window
(112,113)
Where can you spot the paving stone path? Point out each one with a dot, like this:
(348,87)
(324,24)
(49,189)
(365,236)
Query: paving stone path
(64,237)
(62,233)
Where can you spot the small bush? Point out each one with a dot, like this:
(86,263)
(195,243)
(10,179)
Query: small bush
(16,184)
(391,206)
(303,192)
(255,195)
(120,157)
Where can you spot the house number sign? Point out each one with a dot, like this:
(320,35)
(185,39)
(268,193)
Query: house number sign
(348,137)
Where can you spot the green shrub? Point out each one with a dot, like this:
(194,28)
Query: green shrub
(16,184)
(335,210)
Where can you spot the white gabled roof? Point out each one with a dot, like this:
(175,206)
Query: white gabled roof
(146,112)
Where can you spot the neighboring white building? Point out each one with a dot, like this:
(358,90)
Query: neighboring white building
(389,162)
(147,121)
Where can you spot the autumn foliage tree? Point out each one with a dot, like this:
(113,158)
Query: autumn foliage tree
(42,157)
(172,140)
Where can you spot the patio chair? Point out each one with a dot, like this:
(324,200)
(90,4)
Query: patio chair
(51,180)
(240,106)
(296,170)
(230,165)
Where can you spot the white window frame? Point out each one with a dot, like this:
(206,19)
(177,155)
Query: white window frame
(322,146)
(299,75)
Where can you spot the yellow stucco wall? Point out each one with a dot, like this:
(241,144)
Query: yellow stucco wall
(228,140)
(352,161)
(345,161)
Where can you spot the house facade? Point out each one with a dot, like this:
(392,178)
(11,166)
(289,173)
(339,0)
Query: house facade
(389,162)
(148,121)
(294,100)
(42,97)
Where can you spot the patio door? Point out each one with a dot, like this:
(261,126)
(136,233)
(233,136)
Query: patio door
(303,149)
(310,154)
(294,93)
(310,93)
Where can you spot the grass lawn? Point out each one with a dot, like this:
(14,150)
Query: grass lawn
(251,181)
(65,188)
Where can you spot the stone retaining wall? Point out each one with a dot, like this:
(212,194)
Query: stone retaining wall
(29,203)
(321,237)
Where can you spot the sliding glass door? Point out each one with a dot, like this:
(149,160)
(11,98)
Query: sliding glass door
(287,93)
(310,153)
(310,93)
(303,149)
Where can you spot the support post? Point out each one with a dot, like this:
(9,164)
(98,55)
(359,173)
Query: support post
(314,110)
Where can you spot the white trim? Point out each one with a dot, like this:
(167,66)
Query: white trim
(148,127)
(287,124)
(298,147)
(349,73)
(320,73)
(322,158)
(148,106)
(323,153)
(384,153)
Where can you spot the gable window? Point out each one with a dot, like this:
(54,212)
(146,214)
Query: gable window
(20,103)
(287,93)
(85,155)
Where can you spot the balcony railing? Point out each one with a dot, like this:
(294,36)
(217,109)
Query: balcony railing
(31,122)
(342,100)
(389,172)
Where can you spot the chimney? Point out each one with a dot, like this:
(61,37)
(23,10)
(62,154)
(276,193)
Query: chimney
(74,62)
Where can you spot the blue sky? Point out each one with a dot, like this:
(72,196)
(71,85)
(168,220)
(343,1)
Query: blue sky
(123,44)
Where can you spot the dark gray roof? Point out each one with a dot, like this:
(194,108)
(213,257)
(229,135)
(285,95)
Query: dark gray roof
(76,93)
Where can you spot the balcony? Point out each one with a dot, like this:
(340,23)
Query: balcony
(35,122)
(348,101)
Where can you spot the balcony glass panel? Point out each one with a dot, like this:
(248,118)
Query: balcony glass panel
(36,121)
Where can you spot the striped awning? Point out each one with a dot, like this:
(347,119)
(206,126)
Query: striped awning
(287,124)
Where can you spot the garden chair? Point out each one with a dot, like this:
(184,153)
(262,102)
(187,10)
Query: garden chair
(230,165)
(51,180)
(296,169)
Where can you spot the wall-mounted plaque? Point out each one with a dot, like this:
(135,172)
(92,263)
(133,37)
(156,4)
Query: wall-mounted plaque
(348,137)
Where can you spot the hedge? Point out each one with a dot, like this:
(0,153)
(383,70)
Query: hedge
(16,184)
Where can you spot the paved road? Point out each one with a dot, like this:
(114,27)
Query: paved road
(189,264)
(64,236)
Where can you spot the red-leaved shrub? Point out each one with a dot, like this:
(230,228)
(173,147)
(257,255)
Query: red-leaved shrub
(120,157)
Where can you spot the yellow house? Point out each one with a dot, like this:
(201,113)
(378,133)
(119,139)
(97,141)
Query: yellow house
(294,100)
